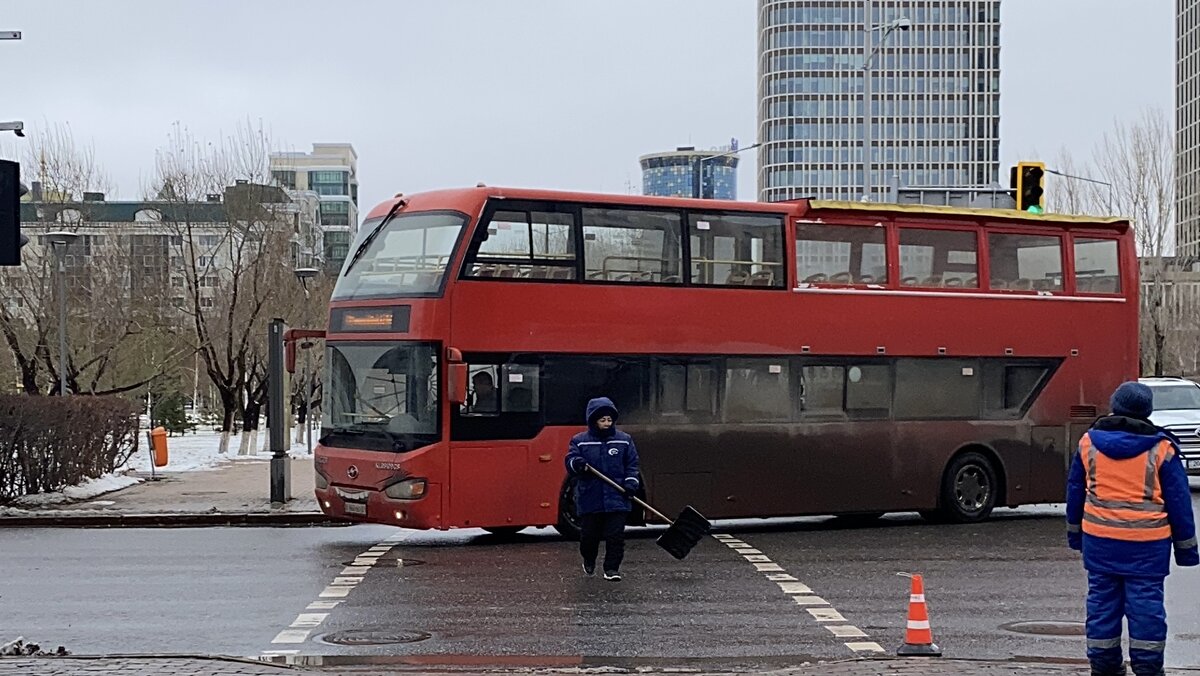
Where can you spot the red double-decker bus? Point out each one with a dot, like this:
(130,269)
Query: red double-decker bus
(779,359)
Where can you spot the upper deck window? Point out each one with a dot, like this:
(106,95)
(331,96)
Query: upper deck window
(1097,268)
(938,258)
(840,254)
(525,245)
(627,245)
(739,250)
(1025,262)
(407,257)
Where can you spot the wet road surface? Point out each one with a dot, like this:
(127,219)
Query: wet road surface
(764,592)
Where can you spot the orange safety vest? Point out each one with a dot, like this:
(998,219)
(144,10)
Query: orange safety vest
(1124,497)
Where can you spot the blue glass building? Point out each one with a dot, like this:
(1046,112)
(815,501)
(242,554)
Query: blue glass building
(673,174)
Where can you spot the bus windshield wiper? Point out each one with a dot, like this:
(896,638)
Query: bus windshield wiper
(362,248)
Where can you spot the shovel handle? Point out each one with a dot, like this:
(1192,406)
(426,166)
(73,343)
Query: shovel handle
(603,477)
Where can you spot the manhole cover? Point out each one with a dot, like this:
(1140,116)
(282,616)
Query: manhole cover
(391,562)
(1051,628)
(374,637)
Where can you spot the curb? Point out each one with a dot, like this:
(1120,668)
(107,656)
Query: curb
(171,520)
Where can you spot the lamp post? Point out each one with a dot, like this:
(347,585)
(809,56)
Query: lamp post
(698,178)
(869,52)
(59,241)
(303,275)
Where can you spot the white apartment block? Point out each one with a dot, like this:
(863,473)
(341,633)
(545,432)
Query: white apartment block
(330,172)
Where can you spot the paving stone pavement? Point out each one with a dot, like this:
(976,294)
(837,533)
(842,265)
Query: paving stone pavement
(196,666)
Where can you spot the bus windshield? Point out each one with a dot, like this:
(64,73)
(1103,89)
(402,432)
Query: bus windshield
(409,257)
(381,395)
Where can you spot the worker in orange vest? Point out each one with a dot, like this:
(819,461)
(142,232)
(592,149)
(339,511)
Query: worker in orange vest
(1127,502)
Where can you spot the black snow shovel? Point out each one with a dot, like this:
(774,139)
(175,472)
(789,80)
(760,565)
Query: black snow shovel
(683,533)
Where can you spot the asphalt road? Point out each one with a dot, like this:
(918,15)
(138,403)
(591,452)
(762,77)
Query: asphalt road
(787,590)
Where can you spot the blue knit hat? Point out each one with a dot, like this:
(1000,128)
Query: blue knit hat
(1132,400)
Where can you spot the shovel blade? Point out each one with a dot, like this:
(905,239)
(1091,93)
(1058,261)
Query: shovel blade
(685,533)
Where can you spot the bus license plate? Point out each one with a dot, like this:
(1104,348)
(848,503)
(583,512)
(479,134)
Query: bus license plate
(356,508)
(1193,463)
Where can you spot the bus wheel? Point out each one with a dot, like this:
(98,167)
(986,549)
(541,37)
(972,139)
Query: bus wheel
(568,521)
(505,531)
(969,489)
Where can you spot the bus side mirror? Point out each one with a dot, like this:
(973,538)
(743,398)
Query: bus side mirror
(457,389)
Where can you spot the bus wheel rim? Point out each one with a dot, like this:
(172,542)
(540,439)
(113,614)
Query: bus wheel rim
(972,488)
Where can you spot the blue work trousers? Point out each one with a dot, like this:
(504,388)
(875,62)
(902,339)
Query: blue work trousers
(1140,600)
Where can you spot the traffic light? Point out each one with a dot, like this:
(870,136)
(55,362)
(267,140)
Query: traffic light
(11,239)
(1027,181)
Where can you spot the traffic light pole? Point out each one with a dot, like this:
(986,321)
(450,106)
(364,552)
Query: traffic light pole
(1088,180)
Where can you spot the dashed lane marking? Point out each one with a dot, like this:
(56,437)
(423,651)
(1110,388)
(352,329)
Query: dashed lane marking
(818,608)
(334,594)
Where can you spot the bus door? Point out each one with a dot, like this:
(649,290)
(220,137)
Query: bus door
(490,453)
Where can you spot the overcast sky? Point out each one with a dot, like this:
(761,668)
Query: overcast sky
(442,93)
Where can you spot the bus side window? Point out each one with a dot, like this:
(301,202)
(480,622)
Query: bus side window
(869,391)
(687,390)
(822,392)
(520,387)
(483,398)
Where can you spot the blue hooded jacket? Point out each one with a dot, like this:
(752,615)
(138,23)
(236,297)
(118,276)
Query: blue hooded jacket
(1119,437)
(611,452)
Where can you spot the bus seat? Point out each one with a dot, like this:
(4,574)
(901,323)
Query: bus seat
(815,279)
(841,278)
(908,281)
(1043,284)
(562,273)
(599,274)
(972,282)
(999,284)
(762,278)
(737,278)
(505,271)
(1022,283)
(485,271)
(955,282)
(866,279)
(932,280)
(671,279)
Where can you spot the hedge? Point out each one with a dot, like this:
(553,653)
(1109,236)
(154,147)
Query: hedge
(49,443)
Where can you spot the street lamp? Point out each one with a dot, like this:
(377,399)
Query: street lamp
(698,183)
(59,241)
(869,52)
(303,275)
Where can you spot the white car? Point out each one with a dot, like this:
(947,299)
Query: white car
(1177,409)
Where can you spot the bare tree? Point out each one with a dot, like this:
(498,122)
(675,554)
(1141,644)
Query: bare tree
(113,326)
(236,236)
(1137,158)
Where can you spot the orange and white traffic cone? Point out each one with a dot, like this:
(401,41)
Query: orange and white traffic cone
(918,638)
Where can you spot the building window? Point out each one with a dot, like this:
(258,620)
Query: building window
(628,245)
(335,213)
(284,178)
(329,182)
(1097,268)
(740,250)
(1025,262)
(840,254)
(937,258)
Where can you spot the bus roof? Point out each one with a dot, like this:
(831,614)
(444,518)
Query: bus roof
(460,198)
(996,214)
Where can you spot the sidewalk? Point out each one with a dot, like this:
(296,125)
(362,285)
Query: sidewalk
(236,493)
(200,666)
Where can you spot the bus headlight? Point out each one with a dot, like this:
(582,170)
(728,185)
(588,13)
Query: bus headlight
(321,480)
(409,489)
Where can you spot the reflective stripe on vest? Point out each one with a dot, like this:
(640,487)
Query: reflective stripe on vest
(1124,497)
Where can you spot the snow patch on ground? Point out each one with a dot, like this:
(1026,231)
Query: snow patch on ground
(201,451)
(84,491)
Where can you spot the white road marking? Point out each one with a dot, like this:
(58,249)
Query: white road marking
(865,646)
(292,636)
(826,614)
(309,620)
(802,594)
(344,583)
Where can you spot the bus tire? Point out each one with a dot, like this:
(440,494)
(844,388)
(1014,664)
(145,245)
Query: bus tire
(568,520)
(970,487)
(505,531)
